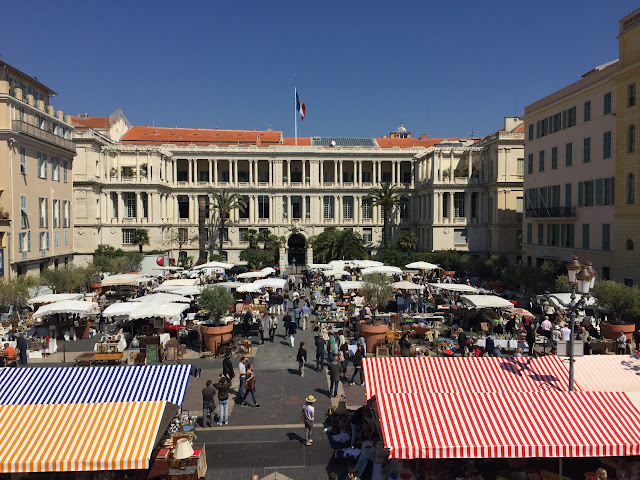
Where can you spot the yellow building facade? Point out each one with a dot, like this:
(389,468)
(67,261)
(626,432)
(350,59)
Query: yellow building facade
(627,196)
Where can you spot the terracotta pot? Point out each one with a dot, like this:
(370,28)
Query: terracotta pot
(96,287)
(611,331)
(214,336)
(371,334)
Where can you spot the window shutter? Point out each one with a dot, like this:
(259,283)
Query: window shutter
(580,194)
(598,191)
(28,241)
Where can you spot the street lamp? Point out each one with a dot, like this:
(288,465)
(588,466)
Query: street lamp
(582,278)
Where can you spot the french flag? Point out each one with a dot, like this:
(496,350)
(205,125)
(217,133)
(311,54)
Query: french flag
(300,107)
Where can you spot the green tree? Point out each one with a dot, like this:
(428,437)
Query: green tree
(224,202)
(396,255)
(562,284)
(69,278)
(335,244)
(377,289)
(14,291)
(495,265)
(216,300)
(408,241)
(140,237)
(523,278)
(264,236)
(257,258)
(128,262)
(386,197)
(251,236)
(618,298)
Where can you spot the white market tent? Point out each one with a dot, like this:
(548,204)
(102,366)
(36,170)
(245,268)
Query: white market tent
(318,266)
(229,285)
(388,269)
(591,302)
(271,283)
(248,287)
(124,279)
(222,265)
(180,290)
(366,263)
(66,306)
(252,275)
(422,265)
(179,282)
(55,297)
(486,301)
(151,309)
(453,287)
(162,297)
(404,285)
(349,285)
(268,270)
(120,309)
(335,273)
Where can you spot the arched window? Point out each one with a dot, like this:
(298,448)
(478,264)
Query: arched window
(631,189)
(629,244)
(631,139)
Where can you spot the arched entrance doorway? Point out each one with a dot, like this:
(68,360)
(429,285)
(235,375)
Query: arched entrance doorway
(297,250)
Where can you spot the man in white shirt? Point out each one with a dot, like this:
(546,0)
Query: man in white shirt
(242,373)
(565,334)
(546,326)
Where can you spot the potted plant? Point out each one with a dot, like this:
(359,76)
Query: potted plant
(377,291)
(218,301)
(621,301)
(307,179)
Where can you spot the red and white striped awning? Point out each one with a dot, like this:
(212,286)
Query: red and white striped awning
(608,373)
(509,425)
(464,374)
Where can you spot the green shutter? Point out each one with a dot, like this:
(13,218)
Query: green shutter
(567,195)
(598,191)
(580,194)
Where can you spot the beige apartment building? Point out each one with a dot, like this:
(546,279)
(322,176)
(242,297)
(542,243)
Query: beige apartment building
(36,184)
(627,169)
(569,182)
(469,194)
(154,177)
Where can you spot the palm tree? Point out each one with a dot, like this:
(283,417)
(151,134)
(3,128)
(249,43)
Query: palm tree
(408,241)
(224,202)
(334,244)
(251,236)
(140,237)
(387,197)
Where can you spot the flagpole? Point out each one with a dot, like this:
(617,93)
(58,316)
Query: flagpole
(295,113)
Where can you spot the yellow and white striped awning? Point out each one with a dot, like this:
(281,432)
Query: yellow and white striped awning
(78,436)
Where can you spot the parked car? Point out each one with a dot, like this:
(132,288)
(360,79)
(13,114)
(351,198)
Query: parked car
(237,270)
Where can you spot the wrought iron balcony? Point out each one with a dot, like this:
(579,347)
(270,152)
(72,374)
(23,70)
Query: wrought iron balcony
(551,212)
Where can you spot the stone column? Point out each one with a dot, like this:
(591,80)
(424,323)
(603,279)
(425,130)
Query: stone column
(335,172)
(360,173)
(451,167)
(190,171)
(309,254)
(413,174)
(210,172)
(250,162)
(118,168)
(341,173)
(282,261)
(235,172)
(174,171)
(393,173)
(215,172)
(304,172)
(256,172)
(138,167)
(304,208)
(321,172)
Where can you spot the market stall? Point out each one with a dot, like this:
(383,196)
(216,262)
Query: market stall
(162,298)
(97,419)
(485,301)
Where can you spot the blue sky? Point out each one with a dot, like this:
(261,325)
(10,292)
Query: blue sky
(443,68)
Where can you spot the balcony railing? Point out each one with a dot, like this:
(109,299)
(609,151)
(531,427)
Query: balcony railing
(35,132)
(551,212)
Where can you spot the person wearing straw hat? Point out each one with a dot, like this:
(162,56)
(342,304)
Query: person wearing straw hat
(308,416)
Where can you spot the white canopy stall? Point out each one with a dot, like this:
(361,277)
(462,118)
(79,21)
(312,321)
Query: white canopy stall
(388,269)
(164,310)
(271,283)
(66,306)
(485,301)
(54,297)
(422,265)
(404,285)
(453,287)
(162,298)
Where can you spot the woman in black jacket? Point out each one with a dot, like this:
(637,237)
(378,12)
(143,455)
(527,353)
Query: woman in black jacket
(223,386)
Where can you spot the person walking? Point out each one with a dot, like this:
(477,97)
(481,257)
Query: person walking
(223,386)
(286,320)
(21,345)
(321,346)
(357,366)
(302,358)
(279,302)
(250,387)
(272,324)
(308,416)
(334,376)
(242,372)
(297,314)
(306,314)
(344,358)
(208,404)
(291,330)
(227,366)
(261,329)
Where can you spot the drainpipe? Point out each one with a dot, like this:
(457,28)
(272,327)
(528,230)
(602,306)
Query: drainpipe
(11,141)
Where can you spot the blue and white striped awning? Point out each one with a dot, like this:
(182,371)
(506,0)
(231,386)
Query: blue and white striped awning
(45,386)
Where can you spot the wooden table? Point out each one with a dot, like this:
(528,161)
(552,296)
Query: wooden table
(91,358)
(85,358)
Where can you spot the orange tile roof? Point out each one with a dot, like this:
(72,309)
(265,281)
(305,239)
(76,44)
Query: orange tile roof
(91,122)
(200,136)
(407,142)
(519,128)
(302,141)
